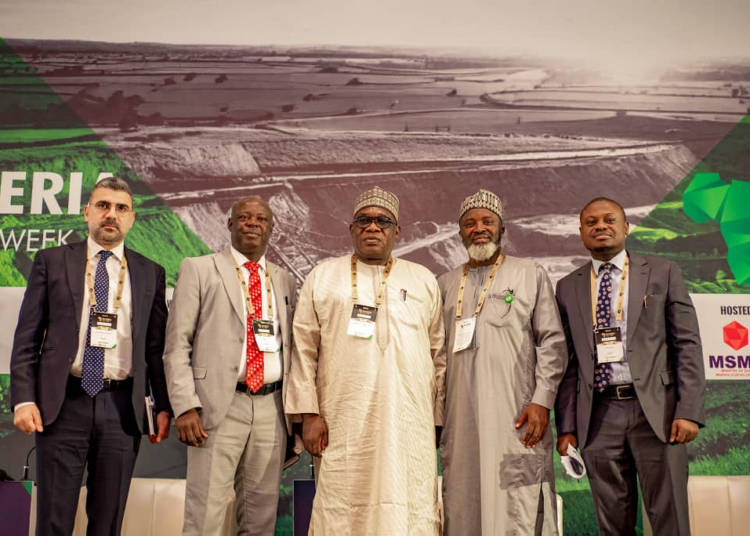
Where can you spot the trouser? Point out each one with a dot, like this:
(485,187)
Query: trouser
(245,451)
(622,448)
(100,434)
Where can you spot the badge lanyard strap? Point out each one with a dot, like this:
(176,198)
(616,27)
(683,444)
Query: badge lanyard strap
(246,291)
(620,296)
(485,289)
(120,281)
(381,290)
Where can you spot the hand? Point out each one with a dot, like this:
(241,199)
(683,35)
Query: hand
(162,427)
(683,431)
(28,419)
(189,429)
(538,420)
(314,434)
(563,441)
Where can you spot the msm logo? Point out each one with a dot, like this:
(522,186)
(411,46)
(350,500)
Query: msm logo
(735,335)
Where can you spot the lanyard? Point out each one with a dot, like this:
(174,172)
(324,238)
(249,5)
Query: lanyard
(246,292)
(381,290)
(620,296)
(120,281)
(485,289)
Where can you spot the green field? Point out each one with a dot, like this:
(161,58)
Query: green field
(35,135)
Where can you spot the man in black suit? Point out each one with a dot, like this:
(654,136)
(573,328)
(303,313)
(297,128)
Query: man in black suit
(87,351)
(633,394)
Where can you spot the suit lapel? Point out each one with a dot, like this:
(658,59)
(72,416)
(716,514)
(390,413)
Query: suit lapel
(228,274)
(137,280)
(640,272)
(279,295)
(75,269)
(583,297)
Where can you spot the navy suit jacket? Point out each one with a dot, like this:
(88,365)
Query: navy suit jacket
(46,339)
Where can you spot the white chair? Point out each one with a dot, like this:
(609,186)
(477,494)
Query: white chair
(719,506)
(156,507)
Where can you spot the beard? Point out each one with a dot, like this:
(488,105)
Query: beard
(107,236)
(482,252)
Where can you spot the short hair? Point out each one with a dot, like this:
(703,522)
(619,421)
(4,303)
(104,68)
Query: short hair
(113,183)
(604,199)
(233,212)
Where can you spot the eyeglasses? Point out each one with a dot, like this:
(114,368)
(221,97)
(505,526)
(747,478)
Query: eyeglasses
(105,206)
(383,222)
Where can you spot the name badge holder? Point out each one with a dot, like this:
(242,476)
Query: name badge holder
(103,330)
(609,347)
(362,321)
(103,325)
(466,327)
(263,329)
(265,335)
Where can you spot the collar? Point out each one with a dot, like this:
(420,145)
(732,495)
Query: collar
(241,259)
(618,261)
(94,248)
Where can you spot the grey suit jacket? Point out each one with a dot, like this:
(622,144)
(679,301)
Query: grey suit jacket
(663,348)
(206,330)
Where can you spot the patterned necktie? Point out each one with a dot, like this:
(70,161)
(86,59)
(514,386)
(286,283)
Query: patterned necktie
(92,378)
(603,371)
(255,373)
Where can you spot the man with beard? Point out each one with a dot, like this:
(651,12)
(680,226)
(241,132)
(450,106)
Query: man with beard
(505,358)
(87,350)
(367,369)
(634,390)
(226,359)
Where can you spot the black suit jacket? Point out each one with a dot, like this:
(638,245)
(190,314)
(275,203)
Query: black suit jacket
(663,348)
(46,339)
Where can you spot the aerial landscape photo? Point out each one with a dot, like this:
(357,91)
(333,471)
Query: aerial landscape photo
(311,127)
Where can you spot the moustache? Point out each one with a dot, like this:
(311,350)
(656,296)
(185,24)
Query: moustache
(111,223)
(483,234)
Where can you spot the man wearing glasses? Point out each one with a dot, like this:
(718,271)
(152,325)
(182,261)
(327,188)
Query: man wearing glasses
(367,367)
(87,351)
(506,355)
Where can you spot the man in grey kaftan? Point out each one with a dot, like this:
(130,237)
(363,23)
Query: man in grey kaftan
(497,446)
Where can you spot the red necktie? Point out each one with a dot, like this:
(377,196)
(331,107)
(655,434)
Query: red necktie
(255,373)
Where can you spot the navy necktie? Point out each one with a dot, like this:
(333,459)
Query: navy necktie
(92,378)
(603,371)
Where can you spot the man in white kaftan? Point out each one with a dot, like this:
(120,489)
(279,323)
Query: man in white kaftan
(501,381)
(368,404)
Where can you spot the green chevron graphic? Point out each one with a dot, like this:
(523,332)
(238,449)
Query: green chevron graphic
(703,223)
(50,159)
(709,198)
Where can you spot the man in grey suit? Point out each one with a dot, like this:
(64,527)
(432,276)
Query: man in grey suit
(226,361)
(634,390)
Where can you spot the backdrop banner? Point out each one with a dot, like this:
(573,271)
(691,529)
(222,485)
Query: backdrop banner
(309,113)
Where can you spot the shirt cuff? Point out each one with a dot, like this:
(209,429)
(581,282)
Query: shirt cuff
(22,404)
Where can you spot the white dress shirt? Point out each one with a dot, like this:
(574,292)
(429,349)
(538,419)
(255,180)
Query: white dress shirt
(118,361)
(272,361)
(620,371)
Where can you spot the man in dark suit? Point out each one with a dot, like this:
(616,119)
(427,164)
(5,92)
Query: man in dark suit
(87,351)
(634,390)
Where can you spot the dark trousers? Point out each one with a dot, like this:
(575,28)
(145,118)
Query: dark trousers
(100,433)
(622,446)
